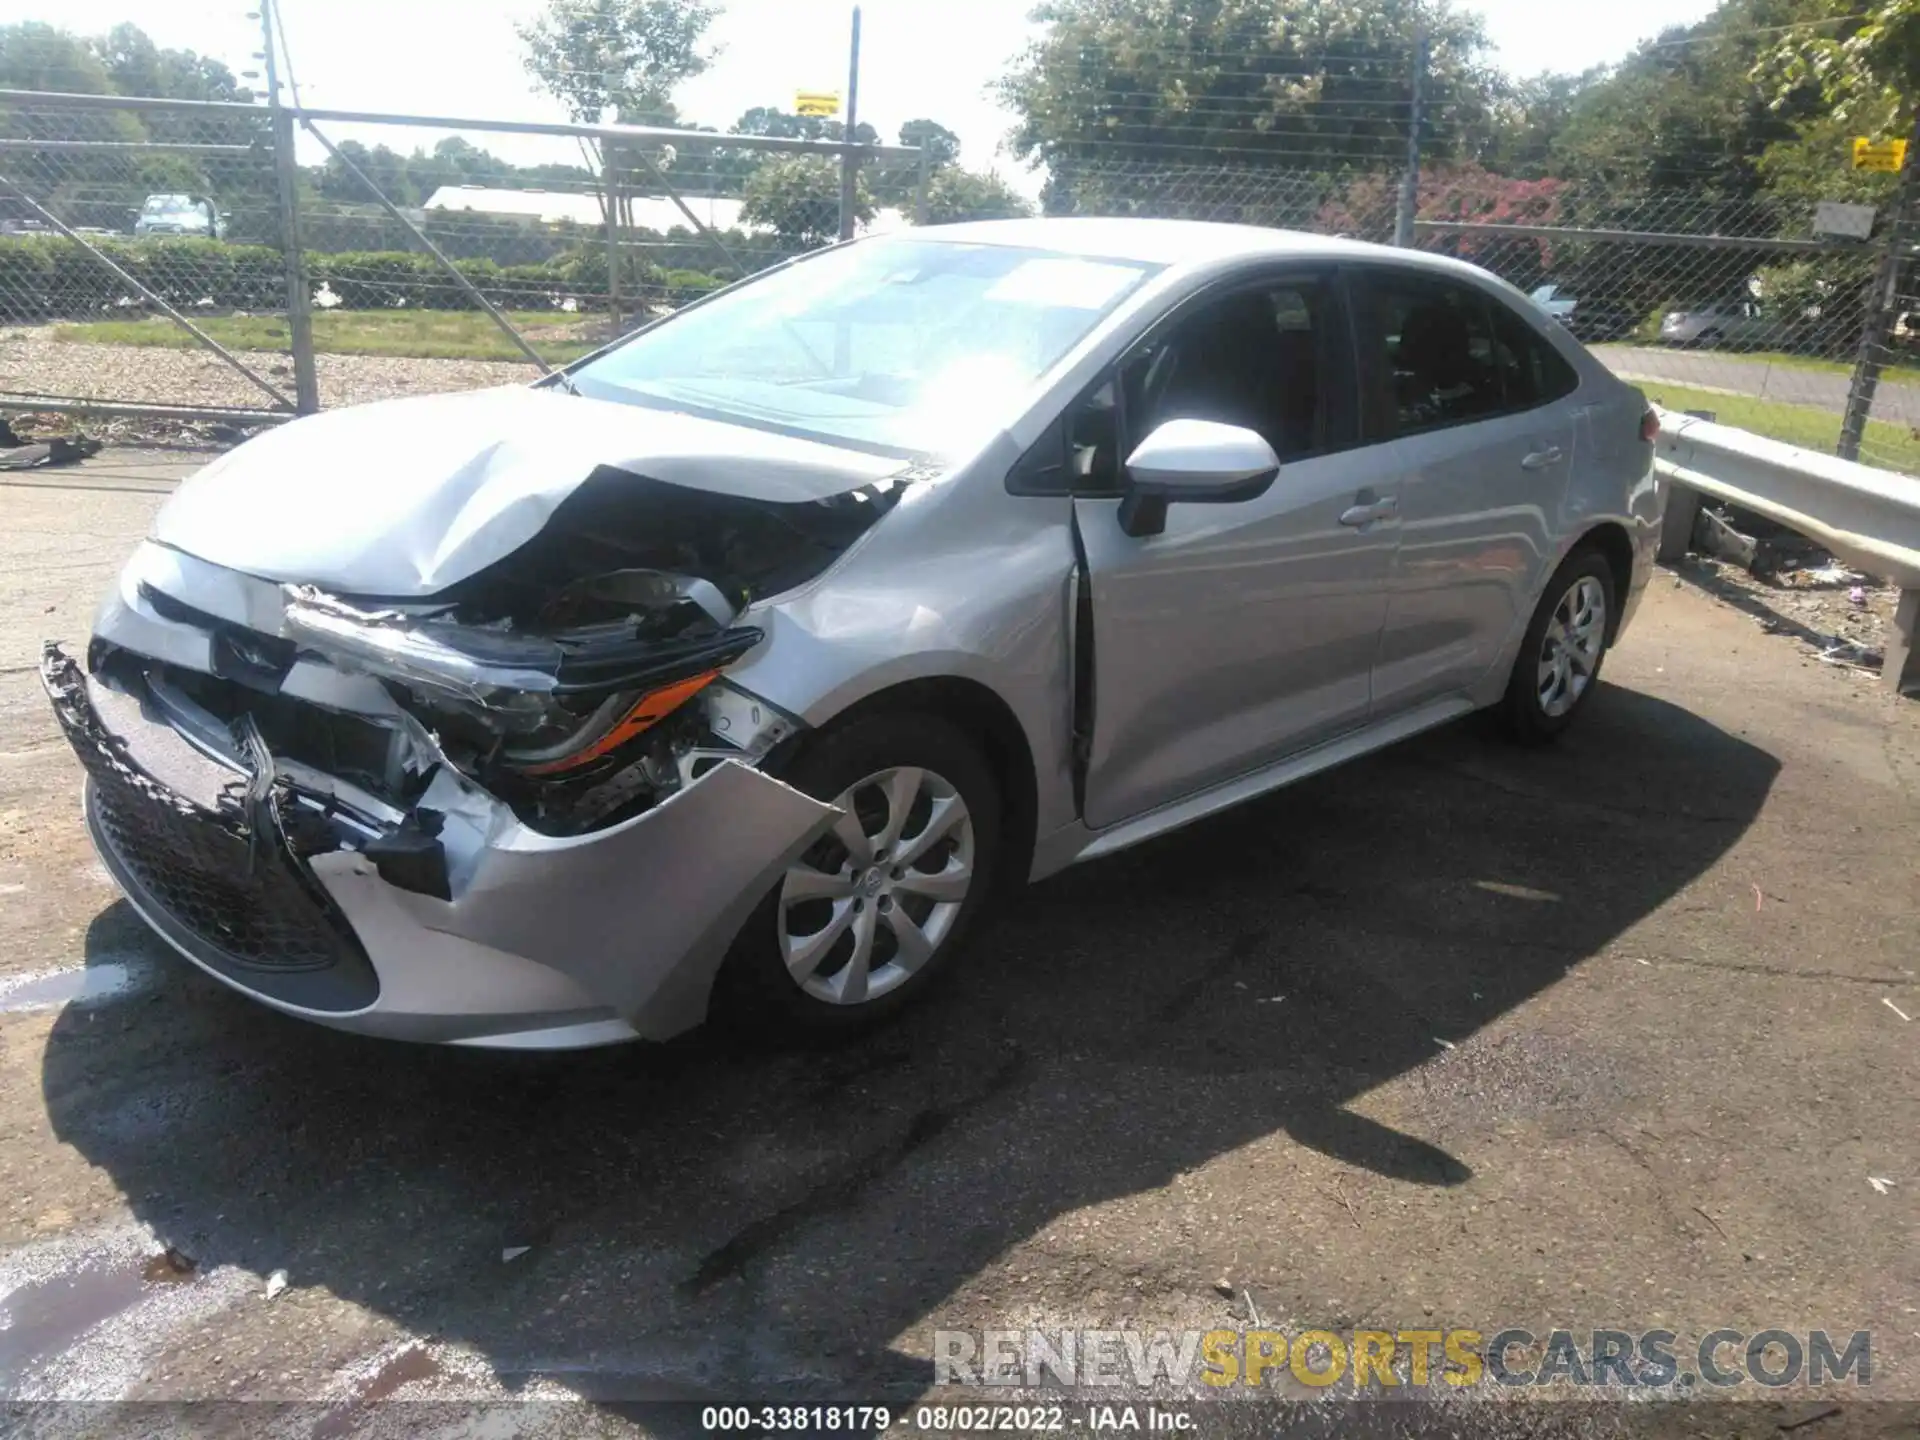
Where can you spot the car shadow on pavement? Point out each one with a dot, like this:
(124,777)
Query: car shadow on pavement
(710,1219)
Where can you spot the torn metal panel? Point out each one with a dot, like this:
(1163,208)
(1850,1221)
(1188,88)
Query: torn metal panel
(639,916)
(213,856)
(405,498)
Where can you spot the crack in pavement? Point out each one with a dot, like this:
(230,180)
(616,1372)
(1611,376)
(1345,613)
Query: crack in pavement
(838,1192)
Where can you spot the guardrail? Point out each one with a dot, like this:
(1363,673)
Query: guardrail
(1866,517)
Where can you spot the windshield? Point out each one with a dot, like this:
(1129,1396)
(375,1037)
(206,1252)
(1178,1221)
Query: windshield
(173,205)
(900,344)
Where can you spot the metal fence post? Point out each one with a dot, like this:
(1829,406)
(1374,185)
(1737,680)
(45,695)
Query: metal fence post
(1882,306)
(610,151)
(286,168)
(923,185)
(1410,181)
(850,161)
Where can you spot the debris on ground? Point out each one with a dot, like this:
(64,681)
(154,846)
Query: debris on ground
(169,1267)
(1895,1008)
(1880,1186)
(1224,1286)
(17,452)
(127,431)
(1811,599)
(276,1282)
(513,1252)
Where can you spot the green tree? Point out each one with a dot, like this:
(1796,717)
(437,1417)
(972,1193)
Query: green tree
(930,135)
(798,198)
(1863,59)
(1314,84)
(1684,112)
(782,124)
(37,56)
(954,195)
(618,59)
(137,66)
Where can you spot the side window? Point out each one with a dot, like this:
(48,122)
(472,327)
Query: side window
(1435,342)
(1254,358)
(1532,372)
(1093,443)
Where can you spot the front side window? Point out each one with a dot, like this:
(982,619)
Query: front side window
(909,345)
(1250,358)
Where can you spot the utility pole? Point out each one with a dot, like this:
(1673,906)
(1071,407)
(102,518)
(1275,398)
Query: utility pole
(1410,181)
(1883,305)
(849,162)
(286,166)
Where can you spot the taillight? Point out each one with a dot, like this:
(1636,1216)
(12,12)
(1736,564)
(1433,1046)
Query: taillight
(1650,426)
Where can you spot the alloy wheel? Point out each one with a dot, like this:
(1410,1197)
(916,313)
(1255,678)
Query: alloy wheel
(1571,649)
(869,903)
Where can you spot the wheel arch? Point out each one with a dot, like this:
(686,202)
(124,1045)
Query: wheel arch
(1615,545)
(985,717)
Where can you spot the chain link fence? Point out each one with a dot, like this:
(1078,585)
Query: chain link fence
(150,250)
(145,222)
(145,258)
(1732,306)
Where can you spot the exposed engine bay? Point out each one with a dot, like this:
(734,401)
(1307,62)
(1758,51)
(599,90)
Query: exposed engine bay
(577,680)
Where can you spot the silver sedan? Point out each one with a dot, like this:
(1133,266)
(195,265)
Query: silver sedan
(740,666)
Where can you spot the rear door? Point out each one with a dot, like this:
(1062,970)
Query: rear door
(1474,413)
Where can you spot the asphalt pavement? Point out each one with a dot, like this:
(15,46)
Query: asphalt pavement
(1612,1033)
(1897,402)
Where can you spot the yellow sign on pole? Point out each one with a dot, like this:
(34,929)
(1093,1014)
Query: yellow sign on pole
(1889,156)
(824,103)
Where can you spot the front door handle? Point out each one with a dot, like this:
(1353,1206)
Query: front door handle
(1541,459)
(1368,512)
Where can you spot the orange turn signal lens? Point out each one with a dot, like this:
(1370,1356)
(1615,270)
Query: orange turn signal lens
(648,711)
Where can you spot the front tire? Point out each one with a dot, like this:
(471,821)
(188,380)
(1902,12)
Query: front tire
(873,912)
(1559,662)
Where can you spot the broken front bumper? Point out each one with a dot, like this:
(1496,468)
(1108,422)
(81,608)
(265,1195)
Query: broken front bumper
(541,942)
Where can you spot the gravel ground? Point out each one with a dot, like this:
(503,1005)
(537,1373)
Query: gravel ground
(1607,1034)
(33,362)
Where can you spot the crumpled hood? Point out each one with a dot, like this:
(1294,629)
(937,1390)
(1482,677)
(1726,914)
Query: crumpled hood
(405,497)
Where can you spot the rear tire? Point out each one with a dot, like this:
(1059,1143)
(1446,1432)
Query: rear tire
(872,914)
(1559,663)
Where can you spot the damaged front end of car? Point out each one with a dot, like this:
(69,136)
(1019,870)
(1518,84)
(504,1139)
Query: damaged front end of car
(527,809)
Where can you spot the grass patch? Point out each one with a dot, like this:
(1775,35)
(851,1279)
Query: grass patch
(1892,446)
(414,334)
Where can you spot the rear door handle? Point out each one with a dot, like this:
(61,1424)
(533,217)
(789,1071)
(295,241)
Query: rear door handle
(1363,515)
(1541,459)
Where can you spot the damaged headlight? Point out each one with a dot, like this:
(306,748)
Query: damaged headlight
(545,716)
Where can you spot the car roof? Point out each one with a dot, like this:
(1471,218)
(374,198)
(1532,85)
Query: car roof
(1178,242)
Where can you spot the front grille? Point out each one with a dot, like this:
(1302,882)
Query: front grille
(234,899)
(254,910)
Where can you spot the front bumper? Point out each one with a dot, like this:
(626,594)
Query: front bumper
(543,942)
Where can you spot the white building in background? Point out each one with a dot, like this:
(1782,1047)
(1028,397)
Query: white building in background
(551,207)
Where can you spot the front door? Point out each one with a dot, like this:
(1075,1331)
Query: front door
(1243,632)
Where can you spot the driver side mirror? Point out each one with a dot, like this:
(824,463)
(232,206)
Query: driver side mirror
(1196,462)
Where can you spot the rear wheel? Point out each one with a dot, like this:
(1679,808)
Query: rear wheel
(1560,658)
(872,912)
